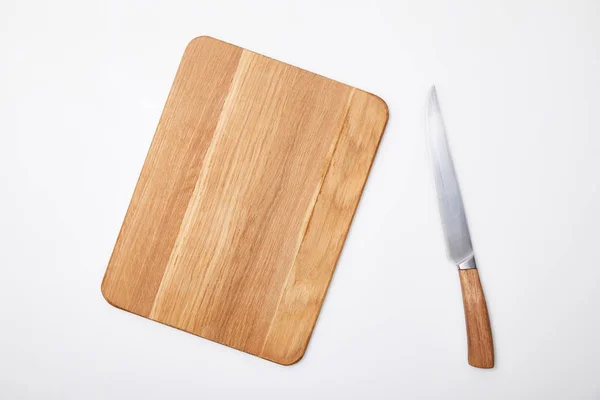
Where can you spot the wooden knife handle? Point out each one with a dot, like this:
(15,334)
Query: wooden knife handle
(479,333)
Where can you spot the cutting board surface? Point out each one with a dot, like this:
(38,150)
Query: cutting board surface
(245,200)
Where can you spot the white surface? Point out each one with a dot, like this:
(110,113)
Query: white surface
(82,86)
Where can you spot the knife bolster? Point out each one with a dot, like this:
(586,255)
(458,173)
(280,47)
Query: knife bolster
(468,263)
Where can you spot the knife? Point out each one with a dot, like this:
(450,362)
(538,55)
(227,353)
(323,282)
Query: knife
(458,240)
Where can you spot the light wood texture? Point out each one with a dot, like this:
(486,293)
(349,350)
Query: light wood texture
(479,333)
(245,200)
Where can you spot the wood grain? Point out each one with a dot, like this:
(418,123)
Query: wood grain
(479,332)
(245,200)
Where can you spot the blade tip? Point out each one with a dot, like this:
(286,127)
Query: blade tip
(433,100)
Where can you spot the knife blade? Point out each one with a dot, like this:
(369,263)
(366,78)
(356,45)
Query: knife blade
(452,212)
(458,238)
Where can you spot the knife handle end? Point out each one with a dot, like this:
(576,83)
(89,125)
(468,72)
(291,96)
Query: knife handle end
(479,333)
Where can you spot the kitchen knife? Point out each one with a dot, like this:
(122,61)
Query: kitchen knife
(458,239)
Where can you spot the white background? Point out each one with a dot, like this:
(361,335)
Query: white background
(82,86)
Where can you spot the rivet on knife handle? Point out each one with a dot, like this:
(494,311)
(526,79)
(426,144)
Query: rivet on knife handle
(458,239)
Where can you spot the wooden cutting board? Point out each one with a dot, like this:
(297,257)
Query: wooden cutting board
(245,200)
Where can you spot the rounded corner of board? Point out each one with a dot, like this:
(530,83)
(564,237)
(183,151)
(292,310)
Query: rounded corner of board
(290,360)
(203,40)
(198,40)
(107,296)
(383,107)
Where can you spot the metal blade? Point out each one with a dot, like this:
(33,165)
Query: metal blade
(452,212)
